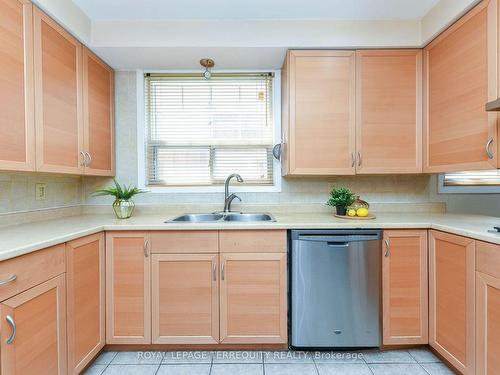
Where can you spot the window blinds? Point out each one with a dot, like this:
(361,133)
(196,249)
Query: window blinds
(476,178)
(199,131)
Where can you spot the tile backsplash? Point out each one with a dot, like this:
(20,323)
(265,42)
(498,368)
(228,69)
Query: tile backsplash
(17,191)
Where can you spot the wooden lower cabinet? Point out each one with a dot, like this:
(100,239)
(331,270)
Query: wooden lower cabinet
(39,344)
(452,299)
(405,287)
(253,298)
(128,288)
(185,299)
(85,266)
(487,308)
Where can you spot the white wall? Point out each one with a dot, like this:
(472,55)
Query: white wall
(70,16)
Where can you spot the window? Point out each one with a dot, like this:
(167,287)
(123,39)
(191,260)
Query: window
(470,182)
(200,131)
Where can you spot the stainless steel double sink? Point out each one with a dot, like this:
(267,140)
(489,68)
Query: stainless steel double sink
(223,217)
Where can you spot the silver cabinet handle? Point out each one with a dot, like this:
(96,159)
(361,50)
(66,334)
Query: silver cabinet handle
(83,159)
(488,148)
(12,323)
(388,248)
(353,160)
(214,271)
(146,245)
(359,159)
(89,158)
(223,271)
(8,280)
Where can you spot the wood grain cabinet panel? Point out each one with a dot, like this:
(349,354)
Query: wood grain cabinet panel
(86,300)
(487,324)
(460,77)
(319,112)
(487,308)
(17,132)
(405,287)
(185,299)
(128,288)
(452,299)
(181,241)
(388,111)
(39,346)
(253,241)
(253,298)
(58,97)
(98,110)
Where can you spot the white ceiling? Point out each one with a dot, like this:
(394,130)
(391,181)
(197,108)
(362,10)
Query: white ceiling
(256,9)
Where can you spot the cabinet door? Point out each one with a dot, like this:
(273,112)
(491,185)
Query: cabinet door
(17,132)
(405,287)
(58,106)
(85,266)
(321,112)
(451,298)
(460,77)
(38,344)
(128,288)
(389,111)
(98,110)
(253,297)
(185,296)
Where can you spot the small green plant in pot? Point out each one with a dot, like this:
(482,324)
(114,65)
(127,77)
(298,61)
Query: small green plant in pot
(123,204)
(341,198)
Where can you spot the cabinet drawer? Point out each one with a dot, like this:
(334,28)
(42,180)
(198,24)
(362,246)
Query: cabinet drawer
(249,241)
(488,258)
(181,241)
(31,269)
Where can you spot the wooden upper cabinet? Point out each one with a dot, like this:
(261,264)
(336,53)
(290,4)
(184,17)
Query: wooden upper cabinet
(452,299)
(39,345)
(128,288)
(17,133)
(253,298)
(98,110)
(388,111)
(185,299)
(85,267)
(319,113)
(58,98)
(460,78)
(405,287)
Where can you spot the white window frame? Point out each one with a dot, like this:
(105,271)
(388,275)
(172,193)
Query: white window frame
(442,189)
(141,132)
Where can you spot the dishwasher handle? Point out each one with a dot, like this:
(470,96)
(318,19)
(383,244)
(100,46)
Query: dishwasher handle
(338,244)
(339,239)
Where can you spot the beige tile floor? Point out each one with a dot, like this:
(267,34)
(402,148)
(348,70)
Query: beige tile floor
(372,362)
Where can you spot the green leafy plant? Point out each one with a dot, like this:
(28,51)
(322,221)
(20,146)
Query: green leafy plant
(341,197)
(119,192)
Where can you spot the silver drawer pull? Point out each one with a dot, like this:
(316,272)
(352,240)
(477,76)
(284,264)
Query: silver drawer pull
(8,280)
(12,323)
(214,271)
(388,248)
(146,245)
(488,148)
(89,159)
(223,271)
(359,159)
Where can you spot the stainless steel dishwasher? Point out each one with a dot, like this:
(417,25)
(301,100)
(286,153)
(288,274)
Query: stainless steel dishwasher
(335,288)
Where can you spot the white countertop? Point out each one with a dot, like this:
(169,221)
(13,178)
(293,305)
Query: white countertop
(25,238)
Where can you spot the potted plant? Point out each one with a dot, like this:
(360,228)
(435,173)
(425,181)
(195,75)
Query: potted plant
(341,198)
(123,204)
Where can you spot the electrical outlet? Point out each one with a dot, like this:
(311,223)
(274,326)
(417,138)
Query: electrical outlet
(40,191)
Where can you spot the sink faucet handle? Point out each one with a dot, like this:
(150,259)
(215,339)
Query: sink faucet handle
(229,200)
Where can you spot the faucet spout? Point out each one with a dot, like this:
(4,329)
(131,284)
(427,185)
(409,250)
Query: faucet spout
(229,198)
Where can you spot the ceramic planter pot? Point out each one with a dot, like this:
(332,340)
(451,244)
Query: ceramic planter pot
(123,208)
(341,211)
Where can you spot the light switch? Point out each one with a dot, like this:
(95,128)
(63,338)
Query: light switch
(40,191)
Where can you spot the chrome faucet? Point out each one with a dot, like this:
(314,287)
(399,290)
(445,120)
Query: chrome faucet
(228,198)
